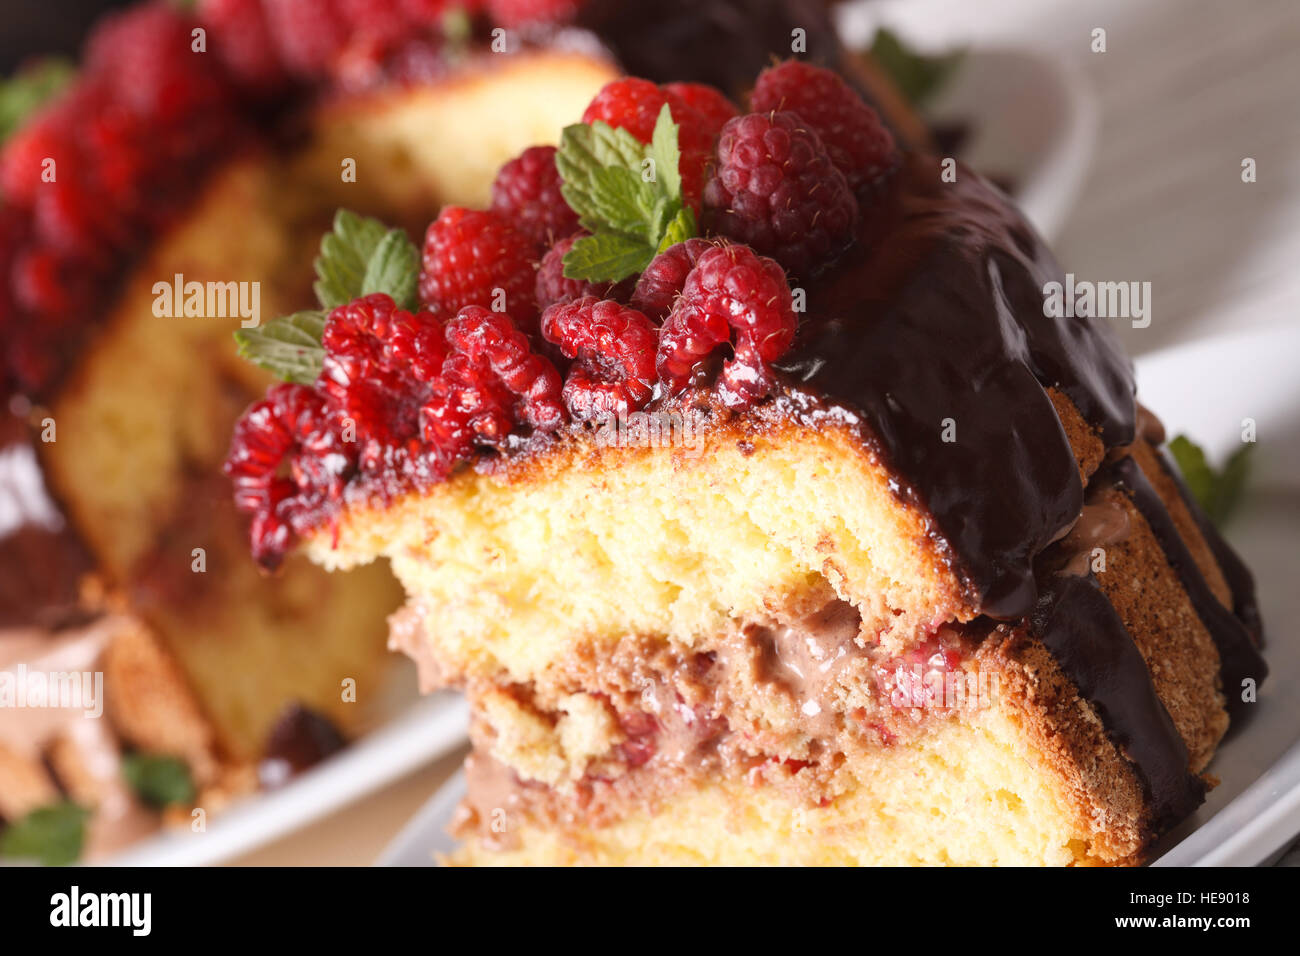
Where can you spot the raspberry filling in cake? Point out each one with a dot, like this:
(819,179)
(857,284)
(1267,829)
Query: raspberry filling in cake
(733,469)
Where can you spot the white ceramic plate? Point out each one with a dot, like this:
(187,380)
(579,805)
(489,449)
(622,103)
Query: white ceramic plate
(1204,390)
(423,732)
(1032,119)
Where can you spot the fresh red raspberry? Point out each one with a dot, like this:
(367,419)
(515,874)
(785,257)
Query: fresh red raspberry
(713,108)
(731,289)
(519,13)
(146,55)
(22,162)
(526,193)
(614,346)
(776,190)
(291,426)
(663,279)
(634,104)
(378,362)
(554,286)
(241,39)
(477,258)
(307,33)
(859,144)
(490,382)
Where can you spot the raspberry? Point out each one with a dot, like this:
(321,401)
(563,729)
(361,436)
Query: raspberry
(518,13)
(777,190)
(241,39)
(730,289)
(476,258)
(858,143)
(307,33)
(290,426)
(378,361)
(490,382)
(712,106)
(526,193)
(22,162)
(634,104)
(615,350)
(663,279)
(554,286)
(145,55)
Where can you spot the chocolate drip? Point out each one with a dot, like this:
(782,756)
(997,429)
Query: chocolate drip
(937,314)
(724,43)
(1078,624)
(1239,658)
(1240,581)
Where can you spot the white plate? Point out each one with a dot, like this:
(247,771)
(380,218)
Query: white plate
(425,731)
(1033,119)
(1204,389)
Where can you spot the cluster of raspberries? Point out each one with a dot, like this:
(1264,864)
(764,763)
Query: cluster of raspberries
(147,113)
(505,342)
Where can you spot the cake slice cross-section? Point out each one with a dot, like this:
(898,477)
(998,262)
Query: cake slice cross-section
(787,529)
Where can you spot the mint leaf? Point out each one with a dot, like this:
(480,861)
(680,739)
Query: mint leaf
(159,780)
(1218,491)
(607,254)
(918,77)
(31,88)
(52,835)
(679,229)
(289,347)
(630,215)
(394,268)
(344,257)
(666,154)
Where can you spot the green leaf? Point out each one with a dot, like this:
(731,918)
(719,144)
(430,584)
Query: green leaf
(666,154)
(394,268)
(680,228)
(344,257)
(918,77)
(31,88)
(1217,491)
(630,217)
(52,835)
(608,256)
(289,347)
(159,780)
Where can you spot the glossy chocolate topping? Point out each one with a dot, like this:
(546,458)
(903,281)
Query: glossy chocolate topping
(931,330)
(1239,658)
(1077,623)
(724,43)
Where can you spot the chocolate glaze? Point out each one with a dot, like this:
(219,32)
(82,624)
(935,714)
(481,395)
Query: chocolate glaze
(1240,581)
(1077,623)
(1239,658)
(724,43)
(937,313)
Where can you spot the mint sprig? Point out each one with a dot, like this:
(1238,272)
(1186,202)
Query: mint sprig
(51,835)
(918,77)
(359,256)
(158,779)
(627,194)
(25,92)
(1217,490)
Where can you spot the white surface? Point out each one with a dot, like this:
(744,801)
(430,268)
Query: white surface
(426,731)
(1185,90)
(1203,389)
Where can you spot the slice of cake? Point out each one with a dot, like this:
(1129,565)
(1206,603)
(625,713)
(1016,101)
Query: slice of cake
(769,520)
